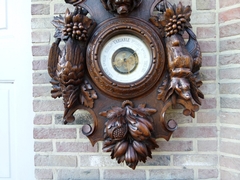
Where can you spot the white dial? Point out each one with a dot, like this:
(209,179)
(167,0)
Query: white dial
(125,58)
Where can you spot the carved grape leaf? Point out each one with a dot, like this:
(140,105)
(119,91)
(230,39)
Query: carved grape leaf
(88,95)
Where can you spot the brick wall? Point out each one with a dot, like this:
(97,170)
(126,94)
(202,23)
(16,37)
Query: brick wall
(207,147)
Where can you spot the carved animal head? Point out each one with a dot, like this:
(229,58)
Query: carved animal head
(121,6)
(183,88)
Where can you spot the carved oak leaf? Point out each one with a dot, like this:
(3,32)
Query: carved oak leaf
(129,133)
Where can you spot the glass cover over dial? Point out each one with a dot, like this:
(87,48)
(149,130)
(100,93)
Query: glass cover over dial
(125,58)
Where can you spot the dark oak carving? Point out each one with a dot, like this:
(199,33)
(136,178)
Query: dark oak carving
(67,66)
(80,77)
(120,6)
(129,133)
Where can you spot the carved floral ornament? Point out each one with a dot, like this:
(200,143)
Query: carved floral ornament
(126,62)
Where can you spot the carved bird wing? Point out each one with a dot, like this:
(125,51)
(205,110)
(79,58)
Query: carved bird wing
(193,48)
(53,57)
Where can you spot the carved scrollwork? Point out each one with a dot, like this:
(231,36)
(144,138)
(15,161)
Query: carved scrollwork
(66,67)
(129,133)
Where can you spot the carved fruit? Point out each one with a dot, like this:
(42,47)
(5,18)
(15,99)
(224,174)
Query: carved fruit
(117,132)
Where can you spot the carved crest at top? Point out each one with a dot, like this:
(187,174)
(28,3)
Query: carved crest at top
(121,6)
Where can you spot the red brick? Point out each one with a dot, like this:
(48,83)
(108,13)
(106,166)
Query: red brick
(48,105)
(60,8)
(110,174)
(42,50)
(156,174)
(231,14)
(195,160)
(98,161)
(228,3)
(43,146)
(184,2)
(209,103)
(43,119)
(41,78)
(207,173)
(208,74)
(208,46)
(230,147)
(230,133)
(43,174)
(229,44)
(56,133)
(203,18)
(208,89)
(206,4)
(229,175)
(41,36)
(229,59)
(230,162)
(195,132)
(207,145)
(51,160)
(230,88)
(230,73)
(232,103)
(40,64)
(41,91)
(227,30)
(207,117)
(178,146)
(85,174)
(157,160)
(229,117)
(179,117)
(206,32)
(208,61)
(40,9)
(76,147)
(42,23)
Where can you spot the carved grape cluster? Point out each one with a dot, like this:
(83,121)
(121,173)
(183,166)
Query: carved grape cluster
(77,24)
(174,19)
(76,30)
(175,24)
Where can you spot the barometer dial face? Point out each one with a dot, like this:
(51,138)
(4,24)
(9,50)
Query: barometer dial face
(125,58)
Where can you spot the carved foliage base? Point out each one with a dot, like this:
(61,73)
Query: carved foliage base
(128,134)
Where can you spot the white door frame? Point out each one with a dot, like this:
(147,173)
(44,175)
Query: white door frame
(16,74)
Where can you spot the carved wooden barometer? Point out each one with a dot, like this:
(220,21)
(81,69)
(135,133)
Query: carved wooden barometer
(126,62)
